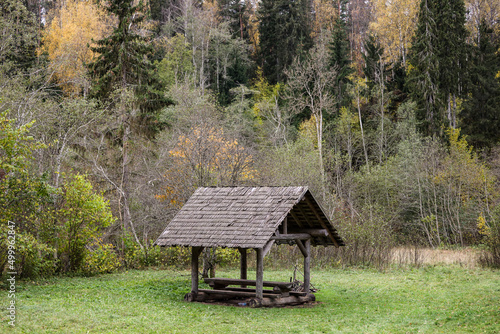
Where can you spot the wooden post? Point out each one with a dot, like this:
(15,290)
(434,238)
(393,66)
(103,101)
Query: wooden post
(307,266)
(195,254)
(285,226)
(243,264)
(259,287)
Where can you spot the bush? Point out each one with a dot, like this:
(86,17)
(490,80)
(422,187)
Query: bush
(100,258)
(134,257)
(32,258)
(491,234)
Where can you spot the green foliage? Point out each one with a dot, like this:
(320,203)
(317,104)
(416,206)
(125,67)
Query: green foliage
(227,256)
(490,232)
(340,58)
(284,33)
(18,36)
(16,145)
(21,192)
(230,64)
(100,258)
(177,65)
(437,62)
(481,114)
(134,257)
(33,259)
(236,12)
(122,62)
(81,217)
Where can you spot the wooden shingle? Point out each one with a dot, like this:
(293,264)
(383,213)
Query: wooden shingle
(245,217)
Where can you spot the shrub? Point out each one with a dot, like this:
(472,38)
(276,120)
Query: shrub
(491,233)
(100,258)
(32,258)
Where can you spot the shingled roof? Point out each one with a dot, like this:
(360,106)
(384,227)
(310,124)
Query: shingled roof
(246,217)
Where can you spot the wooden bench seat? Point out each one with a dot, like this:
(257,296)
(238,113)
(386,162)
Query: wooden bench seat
(221,283)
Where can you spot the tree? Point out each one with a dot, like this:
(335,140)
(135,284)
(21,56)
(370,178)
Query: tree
(123,77)
(480,118)
(310,89)
(66,41)
(340,59)
(21,192)
(284,33)
(479,11)
(229,64)
(394,25)
(438,53)
(18,36)
(236,13)
(81,217)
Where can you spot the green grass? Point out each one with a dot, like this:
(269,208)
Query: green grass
(426,300)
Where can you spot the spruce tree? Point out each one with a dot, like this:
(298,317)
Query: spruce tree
(123,78)
(480,118)
(340,59)
(437,62)
(284,33)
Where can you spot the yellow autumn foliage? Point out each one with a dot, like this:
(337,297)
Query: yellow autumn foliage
(67,38)
(394,24)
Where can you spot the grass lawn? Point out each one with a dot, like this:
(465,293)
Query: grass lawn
(426,300)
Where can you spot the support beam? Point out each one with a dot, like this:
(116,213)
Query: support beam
(243,264)
(259,287)
(195,254)
(313,232)
(285,226)
(300,236)
(307,266)
(297,220)
(301,247)
(267,247)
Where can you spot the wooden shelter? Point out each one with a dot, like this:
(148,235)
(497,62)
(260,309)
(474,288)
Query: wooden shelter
(245,218)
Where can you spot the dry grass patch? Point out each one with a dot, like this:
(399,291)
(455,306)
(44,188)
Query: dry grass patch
(465,257)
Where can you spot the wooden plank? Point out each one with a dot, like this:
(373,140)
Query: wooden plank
(307,266)
(314,232)
(233,293)
(297,220)
(298,206)
(259,285)
(321,221)
(300,236)
(234,281)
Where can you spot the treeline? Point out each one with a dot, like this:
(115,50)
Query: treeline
(112,113)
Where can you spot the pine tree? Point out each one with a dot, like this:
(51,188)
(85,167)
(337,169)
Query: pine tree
(284,33)
(340,58)
(437,62)
(480,118)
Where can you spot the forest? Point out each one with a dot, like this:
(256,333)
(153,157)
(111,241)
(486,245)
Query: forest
(113,112)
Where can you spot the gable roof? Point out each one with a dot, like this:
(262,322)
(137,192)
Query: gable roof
(245,217)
